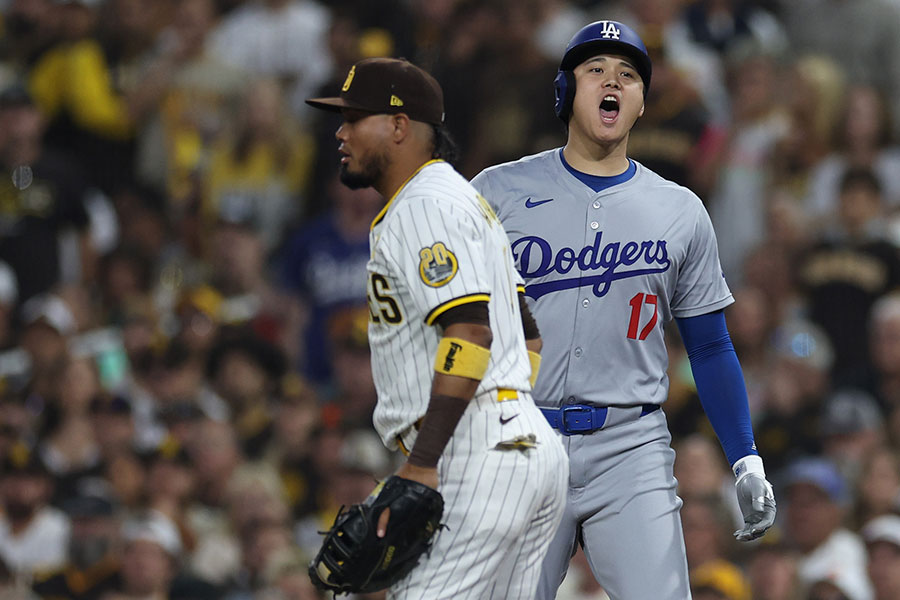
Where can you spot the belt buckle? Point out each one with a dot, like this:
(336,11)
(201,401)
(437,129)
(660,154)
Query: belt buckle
(567,410)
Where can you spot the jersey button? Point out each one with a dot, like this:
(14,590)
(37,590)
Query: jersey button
(578,352)
(585,303)
(594,224)
(596,204)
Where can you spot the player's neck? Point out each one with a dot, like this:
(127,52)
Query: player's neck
(400,171)
(596,159)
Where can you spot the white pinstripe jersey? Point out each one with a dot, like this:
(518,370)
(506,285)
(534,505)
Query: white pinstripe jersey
(436,245)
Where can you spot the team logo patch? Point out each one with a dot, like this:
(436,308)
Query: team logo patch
(437,265)
(349,79)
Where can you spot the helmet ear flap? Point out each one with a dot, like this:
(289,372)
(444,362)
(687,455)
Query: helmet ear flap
(564,86)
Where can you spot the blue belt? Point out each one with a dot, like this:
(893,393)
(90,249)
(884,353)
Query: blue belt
(581,418)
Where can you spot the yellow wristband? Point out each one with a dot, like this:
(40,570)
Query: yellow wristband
(535,359)
(456,356)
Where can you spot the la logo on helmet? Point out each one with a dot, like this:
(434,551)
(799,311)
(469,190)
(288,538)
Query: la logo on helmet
(610,31)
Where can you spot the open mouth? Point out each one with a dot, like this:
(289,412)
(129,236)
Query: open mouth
(609,108)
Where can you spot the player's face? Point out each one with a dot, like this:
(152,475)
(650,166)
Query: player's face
(609,97)
(364,139)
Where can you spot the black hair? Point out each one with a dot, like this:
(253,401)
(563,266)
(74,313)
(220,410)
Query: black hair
(861,177)
(445,147)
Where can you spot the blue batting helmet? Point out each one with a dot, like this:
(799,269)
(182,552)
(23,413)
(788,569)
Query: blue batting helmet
(600,36)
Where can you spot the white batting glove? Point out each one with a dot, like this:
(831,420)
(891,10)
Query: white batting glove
(755,497)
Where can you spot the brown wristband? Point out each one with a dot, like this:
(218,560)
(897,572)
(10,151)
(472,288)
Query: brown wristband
(440,422)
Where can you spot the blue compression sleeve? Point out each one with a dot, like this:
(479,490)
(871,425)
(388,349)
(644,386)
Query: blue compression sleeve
(720,382)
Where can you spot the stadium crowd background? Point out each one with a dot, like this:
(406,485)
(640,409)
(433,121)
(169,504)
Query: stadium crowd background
(185,394)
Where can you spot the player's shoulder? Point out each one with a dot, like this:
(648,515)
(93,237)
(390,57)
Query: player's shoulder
(650,182)
(437,188)
(438,179)
(533,165)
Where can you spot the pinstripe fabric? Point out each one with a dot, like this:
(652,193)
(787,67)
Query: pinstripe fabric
(502,507)
(437,206)
(436,244)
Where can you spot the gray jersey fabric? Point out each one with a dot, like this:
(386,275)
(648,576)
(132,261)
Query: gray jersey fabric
(603,273)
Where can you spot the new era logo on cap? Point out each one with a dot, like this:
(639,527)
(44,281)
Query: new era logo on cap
(391,86)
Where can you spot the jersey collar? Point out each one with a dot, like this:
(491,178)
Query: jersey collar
(598,183)
(384,210)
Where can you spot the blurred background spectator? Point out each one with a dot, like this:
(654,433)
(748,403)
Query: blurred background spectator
(185,387)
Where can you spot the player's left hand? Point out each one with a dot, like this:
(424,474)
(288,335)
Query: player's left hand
(757,502)
(423,475)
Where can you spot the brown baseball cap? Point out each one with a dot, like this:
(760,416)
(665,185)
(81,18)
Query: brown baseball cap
(390,86)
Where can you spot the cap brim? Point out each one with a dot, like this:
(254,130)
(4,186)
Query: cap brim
(338,104)
(331,104)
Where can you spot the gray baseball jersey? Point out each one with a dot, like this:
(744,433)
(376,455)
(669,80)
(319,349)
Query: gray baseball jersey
(604,271)
(646,252)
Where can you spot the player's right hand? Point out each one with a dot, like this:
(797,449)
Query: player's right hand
(757,502)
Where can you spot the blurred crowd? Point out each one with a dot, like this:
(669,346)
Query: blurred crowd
(185,388)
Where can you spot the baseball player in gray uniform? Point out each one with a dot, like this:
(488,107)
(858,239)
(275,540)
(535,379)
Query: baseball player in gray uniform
(610,252)
(449,354)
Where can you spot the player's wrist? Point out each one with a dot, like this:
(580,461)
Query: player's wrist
(750,464)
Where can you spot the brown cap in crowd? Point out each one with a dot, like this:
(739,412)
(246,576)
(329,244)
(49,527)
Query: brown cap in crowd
(389,86)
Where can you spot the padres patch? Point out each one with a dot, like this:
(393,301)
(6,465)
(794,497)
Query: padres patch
(437,265)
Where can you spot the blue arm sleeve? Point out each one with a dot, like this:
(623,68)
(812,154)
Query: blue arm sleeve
(720,382)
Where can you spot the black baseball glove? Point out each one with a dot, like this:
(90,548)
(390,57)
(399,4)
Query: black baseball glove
(354,559)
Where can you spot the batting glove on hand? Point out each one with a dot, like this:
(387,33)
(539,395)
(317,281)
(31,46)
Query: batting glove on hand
(755,497)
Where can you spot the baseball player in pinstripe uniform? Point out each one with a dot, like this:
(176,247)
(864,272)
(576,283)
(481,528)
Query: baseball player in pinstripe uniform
(610,252)
(451,363)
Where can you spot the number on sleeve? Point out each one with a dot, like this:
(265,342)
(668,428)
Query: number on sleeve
(386,306)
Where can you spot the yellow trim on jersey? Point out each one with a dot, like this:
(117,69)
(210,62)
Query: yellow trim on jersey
(402,446)
(535,359)
(504,394)
(437,311)
(462,358)
(384,210)
(520,289)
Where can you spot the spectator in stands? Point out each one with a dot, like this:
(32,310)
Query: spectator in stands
(817,497)
(151,549)
(861,139)
(739,179)
(822,27)
(848,268)
(261,162)
(878,486)
(852,428)
(882,537)
(92,564)
(42,198)
(324,266)
(197,96)
(245,371)
(68,446)
(33,534)
(772,570)
(283,39)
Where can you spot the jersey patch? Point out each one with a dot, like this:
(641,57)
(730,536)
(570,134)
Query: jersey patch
(437,265)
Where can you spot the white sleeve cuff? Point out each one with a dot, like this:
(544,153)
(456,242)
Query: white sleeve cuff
(749,464)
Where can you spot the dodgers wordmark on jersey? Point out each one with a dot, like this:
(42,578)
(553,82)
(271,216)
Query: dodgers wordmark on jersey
(427,256)
(647,254)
